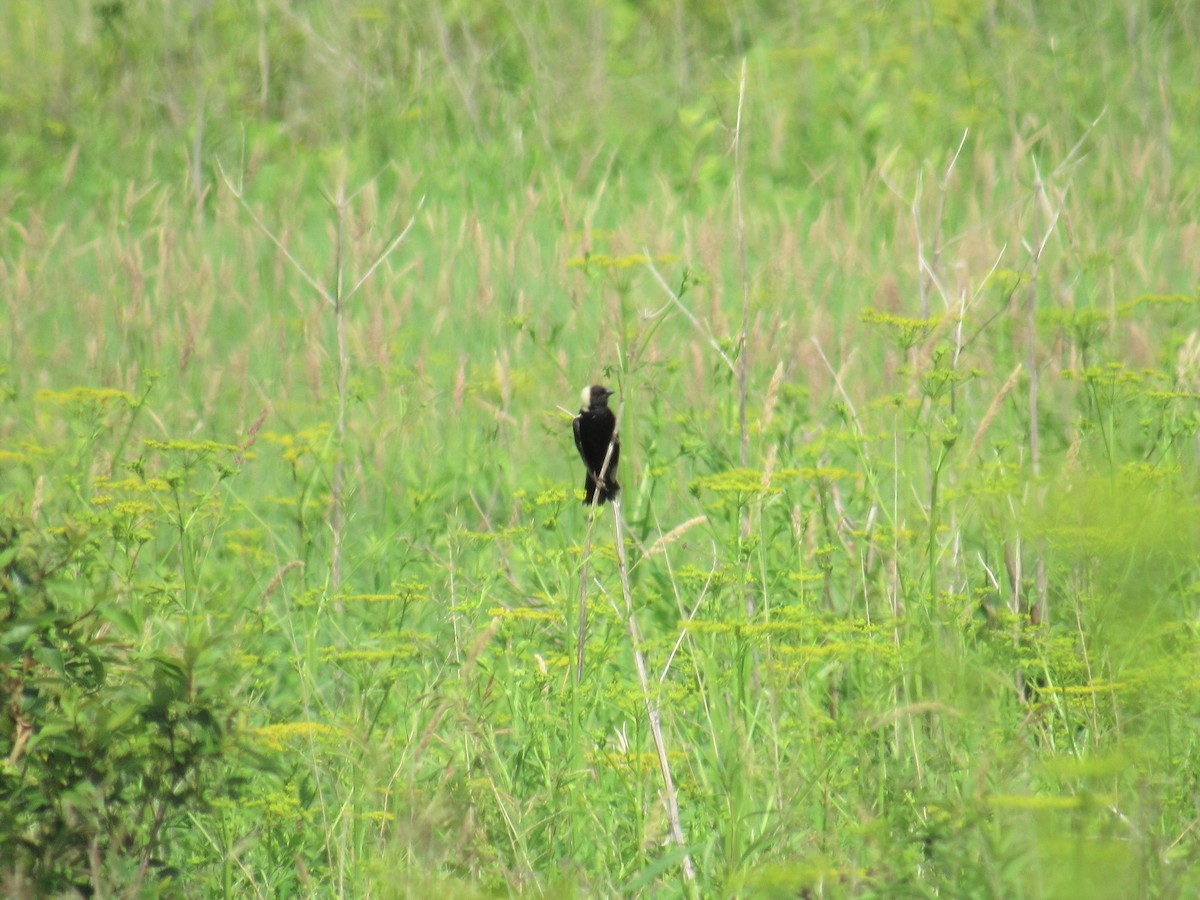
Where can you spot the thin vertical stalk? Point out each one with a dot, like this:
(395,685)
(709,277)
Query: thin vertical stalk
(343,370)
(1039,197)
(337,297)
(1038,607)
(743,350)
(653,712)
(743,357)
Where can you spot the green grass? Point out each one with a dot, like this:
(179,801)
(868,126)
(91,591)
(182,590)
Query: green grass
(265,633)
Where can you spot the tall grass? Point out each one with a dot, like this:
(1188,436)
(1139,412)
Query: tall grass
(902,305)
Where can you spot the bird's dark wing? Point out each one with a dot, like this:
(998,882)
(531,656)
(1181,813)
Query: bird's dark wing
(579,438)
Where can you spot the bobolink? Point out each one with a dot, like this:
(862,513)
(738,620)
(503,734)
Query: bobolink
(595,429)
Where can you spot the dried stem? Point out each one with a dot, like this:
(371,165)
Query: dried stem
(653,712)
(743,350)
(743,357)
(336,298)
(696,323)
(343,371)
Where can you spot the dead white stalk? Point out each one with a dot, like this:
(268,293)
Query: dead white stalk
(748,599)
(1041,204)
(696,323)
(653,712)
(336,298)
(743,348)
(928,268)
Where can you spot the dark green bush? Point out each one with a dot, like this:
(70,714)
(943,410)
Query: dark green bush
(106,750)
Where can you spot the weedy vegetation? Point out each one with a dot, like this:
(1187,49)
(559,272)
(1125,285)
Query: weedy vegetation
(297,596)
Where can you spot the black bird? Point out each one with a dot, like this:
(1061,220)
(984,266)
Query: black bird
(595,429)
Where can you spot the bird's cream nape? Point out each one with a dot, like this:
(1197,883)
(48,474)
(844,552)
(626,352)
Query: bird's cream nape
(585,397)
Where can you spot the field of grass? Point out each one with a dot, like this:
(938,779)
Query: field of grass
(903,305)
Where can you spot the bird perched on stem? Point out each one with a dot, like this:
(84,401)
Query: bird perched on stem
(595,432)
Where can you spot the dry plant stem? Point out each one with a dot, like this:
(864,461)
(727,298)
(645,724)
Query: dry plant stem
(1039,195)
(1093,707)
(928,268)
(686,616)
(867,463)
(993,409)
(343,368)
(743,349)
(1041,203)
(696,323)
(581,626)
(197,165)
(337,299)
(743,354)
(653,713)
(928,276)
(960,342)
(198,190)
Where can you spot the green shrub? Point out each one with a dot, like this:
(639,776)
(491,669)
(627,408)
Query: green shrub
(106,750)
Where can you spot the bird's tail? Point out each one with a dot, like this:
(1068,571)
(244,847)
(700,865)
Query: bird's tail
(608,489)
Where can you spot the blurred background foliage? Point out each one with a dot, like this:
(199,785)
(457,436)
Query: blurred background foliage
(971,250)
